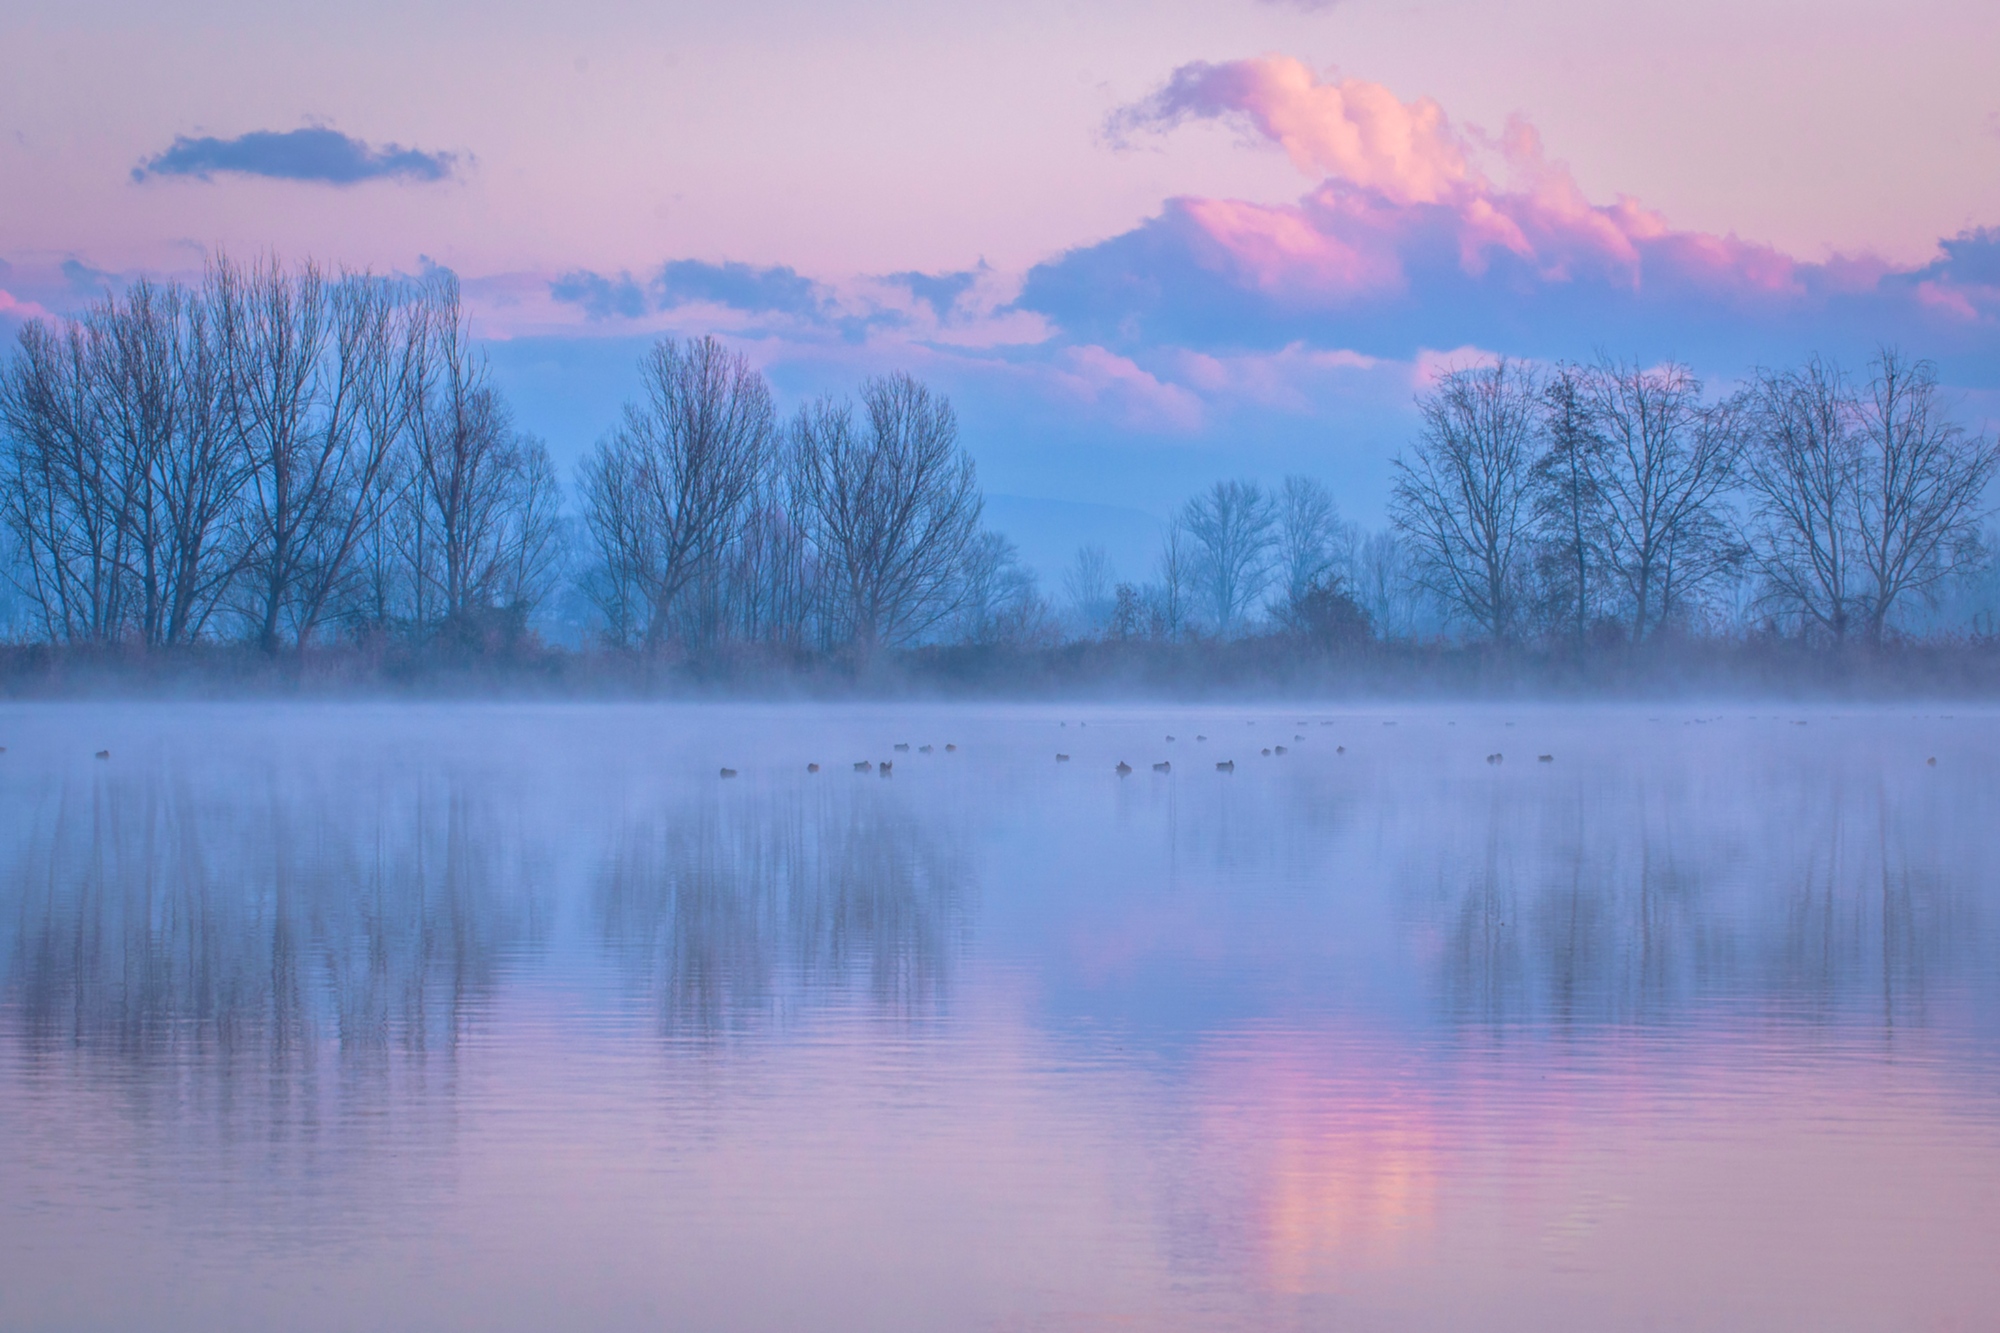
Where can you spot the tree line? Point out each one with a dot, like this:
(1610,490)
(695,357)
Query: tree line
(1617,503)
(268,456)
(282,457)
(279,456)
(1595,505)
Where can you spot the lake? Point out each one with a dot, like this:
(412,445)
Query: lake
(511,1016)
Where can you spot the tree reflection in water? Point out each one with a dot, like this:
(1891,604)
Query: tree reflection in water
(160,917)
(735,911)
(1800,895)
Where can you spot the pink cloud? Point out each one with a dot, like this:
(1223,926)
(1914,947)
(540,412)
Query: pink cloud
(1350,128)
(1098,376)
(13,306)
(1291,379)
(1431,365)
(1951,301)
(1281,249)
(1390,170)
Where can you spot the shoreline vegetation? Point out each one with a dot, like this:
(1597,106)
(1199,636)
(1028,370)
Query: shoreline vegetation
(1245,670)
(288,481)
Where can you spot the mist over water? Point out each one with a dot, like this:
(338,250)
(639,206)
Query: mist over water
(509,1016)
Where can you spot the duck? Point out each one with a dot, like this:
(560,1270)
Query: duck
(923,749)
(1164,766)
(884,768)
(862,766)
(728,772)
(1226,766)
(1931,762)
(1493,758)
(1170,740)
(1265,752)
(1279,749)
(903,747)
(1545,759)
(951,749)
(104,754)
(1062,759)
(1123,768)
(1201,738)
(812,768)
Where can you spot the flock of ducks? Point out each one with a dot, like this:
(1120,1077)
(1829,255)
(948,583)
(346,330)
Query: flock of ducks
(886,767)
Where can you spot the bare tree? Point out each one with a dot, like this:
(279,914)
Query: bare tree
(772,584)
(1923,489)
(892,507)
(1314,544)
(1803,466)
(479,518)
(663,493)
(1232,529)
(62,497)
(1384,582)
(1663,468)
(1088,583)
(391,338)
(1174,591)
(1566,502)
(1001,603)
(122,468)
(295,359)
(201,479)
(1462,497)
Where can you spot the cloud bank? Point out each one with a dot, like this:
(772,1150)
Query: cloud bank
(1423,233)
(316,153)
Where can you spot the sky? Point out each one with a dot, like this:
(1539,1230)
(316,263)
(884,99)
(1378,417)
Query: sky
(1142,246)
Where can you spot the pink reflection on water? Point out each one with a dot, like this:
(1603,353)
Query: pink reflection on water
(1712,1178)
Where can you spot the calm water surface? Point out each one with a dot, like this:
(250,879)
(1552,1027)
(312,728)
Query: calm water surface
(520,1017)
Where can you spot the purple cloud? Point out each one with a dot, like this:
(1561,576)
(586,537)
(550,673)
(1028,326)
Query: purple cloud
(316,153)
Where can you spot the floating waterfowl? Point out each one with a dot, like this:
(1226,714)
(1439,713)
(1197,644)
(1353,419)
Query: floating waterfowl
(1062,759)
(1170,740)
(812,768)
(1931,762)
(1226,766)
(1545,759)
(1123,768)
(1163,767)
(950,749)
(1340,749)
(1264,752)
(862,766)
(104,754)
(728,772)
(1493,758)
(1201,738)
(884,768)
(923,749)
(903,747)
(1298,738)
(1279,749)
